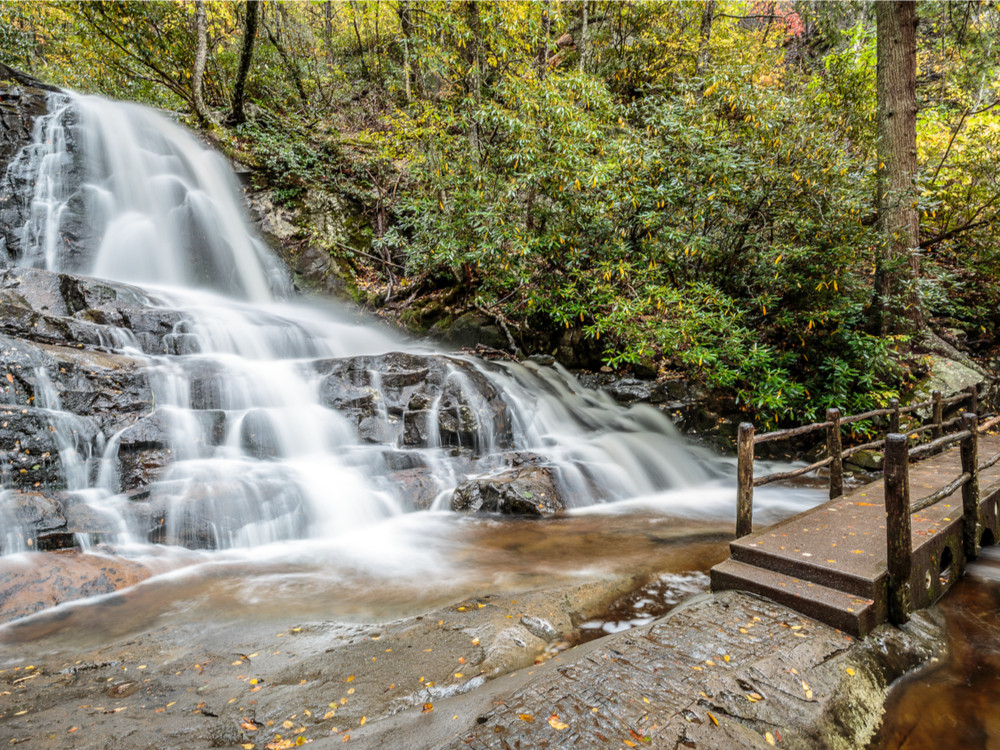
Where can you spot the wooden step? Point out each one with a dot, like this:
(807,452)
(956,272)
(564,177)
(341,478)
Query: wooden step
(751,551)
(853,614)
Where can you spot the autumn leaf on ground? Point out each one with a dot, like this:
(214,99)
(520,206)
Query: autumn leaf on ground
(556,724)
(428,707)
(526,717)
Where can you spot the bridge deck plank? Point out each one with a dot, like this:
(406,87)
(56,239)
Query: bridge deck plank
(841,544)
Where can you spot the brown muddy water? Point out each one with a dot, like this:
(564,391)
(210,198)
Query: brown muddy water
(435,560)
(953,703)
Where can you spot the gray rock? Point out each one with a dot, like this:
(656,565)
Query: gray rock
(527,491)
(867,460)
(417,401)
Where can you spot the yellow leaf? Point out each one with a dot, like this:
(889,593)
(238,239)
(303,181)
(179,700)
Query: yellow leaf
(850,671)
(526,717)
(556,724)
(714,720)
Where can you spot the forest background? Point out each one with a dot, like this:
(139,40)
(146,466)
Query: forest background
(689,188)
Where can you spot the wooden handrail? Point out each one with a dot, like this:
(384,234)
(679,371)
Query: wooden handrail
(936,497)
(768,478)
(747,439)
(935,402)
(899,553)
(941,442)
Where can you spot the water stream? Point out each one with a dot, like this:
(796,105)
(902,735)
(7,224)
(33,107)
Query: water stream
(266,487)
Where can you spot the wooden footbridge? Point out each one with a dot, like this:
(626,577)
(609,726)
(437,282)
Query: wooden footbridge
(883,549)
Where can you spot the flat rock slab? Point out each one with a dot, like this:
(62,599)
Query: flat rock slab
(726,670)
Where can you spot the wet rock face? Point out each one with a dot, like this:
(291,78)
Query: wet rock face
(528,491)
(34,520)
(418,401)
(19,107)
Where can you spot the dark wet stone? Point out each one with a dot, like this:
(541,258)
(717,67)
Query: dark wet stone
(527,491)
(416,488)
(417,400)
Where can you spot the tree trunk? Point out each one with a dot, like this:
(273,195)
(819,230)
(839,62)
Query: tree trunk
(361,44)
(200,54)
(291,68)
(897,306)
(328,30)
(406,26)
(582,46)
(704,37)
(543,50)
(236,114)
(473,80)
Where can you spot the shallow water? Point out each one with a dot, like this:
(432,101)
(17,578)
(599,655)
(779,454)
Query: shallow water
(953,703)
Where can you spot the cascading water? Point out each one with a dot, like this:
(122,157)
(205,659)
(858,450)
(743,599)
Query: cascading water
(271,422)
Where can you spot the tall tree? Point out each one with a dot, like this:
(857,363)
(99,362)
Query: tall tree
(896,143)
(236,114)
(704,37)
(200,53)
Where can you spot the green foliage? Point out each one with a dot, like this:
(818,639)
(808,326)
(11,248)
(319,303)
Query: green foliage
(704,203)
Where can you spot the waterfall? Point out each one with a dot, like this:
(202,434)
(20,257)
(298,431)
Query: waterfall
(272,420)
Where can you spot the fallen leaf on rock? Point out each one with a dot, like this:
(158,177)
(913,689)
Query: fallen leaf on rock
(526,717)
(556,724)
(714,720)
(769,738)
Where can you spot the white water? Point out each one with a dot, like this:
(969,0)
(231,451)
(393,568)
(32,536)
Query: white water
(167,214)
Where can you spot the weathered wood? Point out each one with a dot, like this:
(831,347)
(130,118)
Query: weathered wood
(957,398)
(894,415)
(973,396)
(936,497)
(989,424)
(777,477)
(833,449)
(970,490)
(933,445)
(938,416)
(744,480)
(897,529)
(865,415)
(990,463)
(790,433)
(873,445)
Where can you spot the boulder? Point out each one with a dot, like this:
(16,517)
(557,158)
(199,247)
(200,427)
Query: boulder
(867,460)
(529,491)
(26,517)
(946,375)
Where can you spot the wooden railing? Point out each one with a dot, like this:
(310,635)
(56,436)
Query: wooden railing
(899,508)
(747,439)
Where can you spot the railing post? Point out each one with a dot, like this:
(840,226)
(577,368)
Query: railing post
(938,418)
(833,448)
(970,490)
(894,417)
(973,398)
(899,559)
(744,480)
